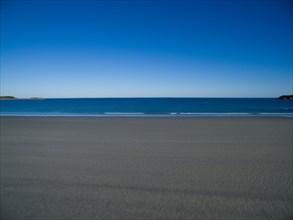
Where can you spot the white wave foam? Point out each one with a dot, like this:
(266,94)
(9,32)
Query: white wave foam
(209,113)
(124,113)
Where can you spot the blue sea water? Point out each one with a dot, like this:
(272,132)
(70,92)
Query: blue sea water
(172,107)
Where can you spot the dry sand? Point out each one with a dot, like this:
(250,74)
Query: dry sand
(146,168)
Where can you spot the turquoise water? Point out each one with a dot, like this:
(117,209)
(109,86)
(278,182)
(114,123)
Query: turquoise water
(148,107)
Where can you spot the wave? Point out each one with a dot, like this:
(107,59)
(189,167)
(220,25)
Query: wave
(144,114)
(124,113)
(211,113)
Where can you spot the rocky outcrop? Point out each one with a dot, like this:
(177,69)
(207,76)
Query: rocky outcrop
(286,97)
(7,98)
(36,98)
(14,98)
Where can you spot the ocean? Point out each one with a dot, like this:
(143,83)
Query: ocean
(143,107)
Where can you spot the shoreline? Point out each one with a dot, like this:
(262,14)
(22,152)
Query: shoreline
(171,115)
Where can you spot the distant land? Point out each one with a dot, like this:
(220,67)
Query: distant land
(14,98)
(7,97)
(286,97)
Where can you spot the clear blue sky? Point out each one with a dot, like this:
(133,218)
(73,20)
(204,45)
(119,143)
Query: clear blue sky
(146,48)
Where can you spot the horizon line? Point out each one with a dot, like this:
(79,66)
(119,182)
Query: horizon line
(142,97)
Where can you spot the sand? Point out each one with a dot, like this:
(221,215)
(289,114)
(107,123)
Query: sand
(146,168)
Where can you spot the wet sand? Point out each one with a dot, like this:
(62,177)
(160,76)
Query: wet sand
(146,168)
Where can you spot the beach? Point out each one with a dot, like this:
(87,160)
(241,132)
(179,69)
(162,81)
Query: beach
(146,168)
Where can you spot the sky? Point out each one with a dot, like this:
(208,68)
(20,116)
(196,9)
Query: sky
(162,48)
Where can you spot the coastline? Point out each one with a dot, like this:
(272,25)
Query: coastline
(141,115)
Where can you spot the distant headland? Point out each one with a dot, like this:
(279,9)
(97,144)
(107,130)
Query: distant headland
(286,97)
(14,98)
(7,97)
